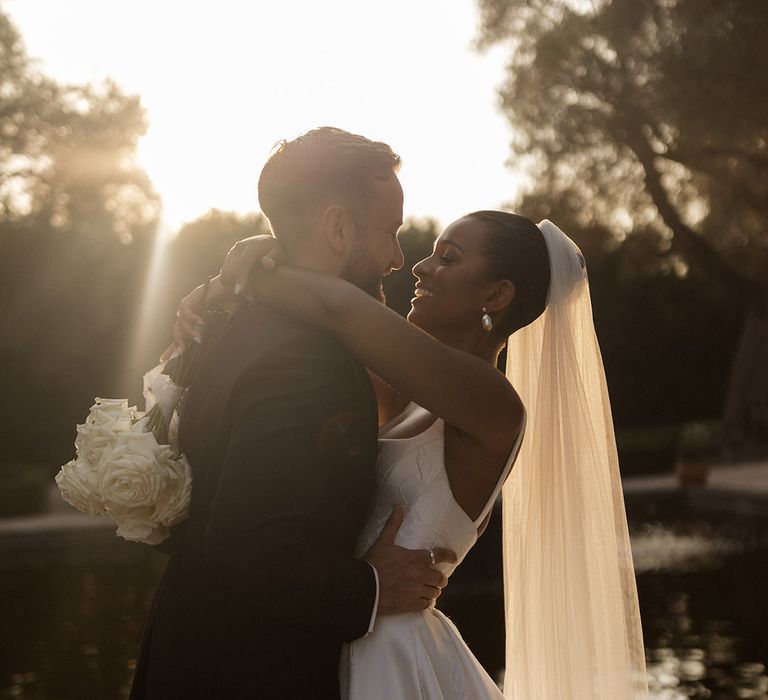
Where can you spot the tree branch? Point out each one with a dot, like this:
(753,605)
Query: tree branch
(695,248)
(686,157)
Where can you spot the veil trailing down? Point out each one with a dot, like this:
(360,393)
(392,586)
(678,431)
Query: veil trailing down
(572,616)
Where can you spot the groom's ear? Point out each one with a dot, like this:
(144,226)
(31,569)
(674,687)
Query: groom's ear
(338,228)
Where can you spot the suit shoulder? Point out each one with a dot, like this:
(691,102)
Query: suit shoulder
(268,336)
(263,350)
(259,341)
(296,360)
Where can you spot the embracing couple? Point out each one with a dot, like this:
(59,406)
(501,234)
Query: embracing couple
(346,460)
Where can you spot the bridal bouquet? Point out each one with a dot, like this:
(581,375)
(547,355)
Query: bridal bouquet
(128,464)
(122,470)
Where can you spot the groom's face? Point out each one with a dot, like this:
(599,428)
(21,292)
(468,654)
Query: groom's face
(377,251)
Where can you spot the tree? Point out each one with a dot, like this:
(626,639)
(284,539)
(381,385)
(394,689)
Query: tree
(67,153)
(77,221)
(650,116)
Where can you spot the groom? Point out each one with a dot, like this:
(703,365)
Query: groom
(280,427)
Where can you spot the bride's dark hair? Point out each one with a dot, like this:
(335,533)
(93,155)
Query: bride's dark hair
(516,251)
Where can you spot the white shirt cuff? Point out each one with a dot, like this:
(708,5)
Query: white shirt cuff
(375,602)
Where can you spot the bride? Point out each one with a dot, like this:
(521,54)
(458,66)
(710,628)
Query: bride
(451,439)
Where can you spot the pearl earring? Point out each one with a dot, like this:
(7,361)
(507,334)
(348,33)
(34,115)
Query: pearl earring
(486,321)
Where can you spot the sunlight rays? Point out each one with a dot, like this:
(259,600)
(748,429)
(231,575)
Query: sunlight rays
(143,354)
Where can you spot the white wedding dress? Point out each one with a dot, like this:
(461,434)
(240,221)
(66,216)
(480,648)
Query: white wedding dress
(573,628)
(421,654)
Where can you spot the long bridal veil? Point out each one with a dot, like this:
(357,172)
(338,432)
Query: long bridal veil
(572,617)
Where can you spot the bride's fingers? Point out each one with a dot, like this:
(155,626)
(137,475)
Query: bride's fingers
(169,352)
(185,330)
(187,312)
(191,305)
(274,258)
(256,254)
(261,251)
(241,259)
(179,341)
(183,333)
(230,261)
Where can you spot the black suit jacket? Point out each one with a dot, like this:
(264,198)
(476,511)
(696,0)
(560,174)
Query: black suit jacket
(262,586)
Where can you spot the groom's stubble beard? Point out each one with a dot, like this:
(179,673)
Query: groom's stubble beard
(361,271)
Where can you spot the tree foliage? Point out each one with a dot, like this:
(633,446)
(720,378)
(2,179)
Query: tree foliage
(77,219)
(67,153)
(648,117)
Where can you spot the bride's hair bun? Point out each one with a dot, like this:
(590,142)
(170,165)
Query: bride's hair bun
(516,251)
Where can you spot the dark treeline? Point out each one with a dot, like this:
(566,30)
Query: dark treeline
(643,123)
(78,221)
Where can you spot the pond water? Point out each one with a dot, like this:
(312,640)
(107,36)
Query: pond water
(72,608)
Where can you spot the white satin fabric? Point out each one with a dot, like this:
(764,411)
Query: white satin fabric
(421,654)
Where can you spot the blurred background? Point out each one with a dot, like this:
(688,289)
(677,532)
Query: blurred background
(131,138)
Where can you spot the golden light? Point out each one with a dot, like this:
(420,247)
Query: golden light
(222,81)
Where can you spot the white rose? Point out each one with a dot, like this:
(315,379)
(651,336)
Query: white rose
(144,531)
(91,442)
(107,418)
(78,482)
(149,380)
(141,425)
(159,389)
(114,414)
(171,507)
(133,475)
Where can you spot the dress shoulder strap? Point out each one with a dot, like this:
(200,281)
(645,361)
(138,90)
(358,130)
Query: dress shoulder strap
(504,473)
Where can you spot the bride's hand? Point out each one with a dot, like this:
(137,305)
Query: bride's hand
(260,252)
(189,320)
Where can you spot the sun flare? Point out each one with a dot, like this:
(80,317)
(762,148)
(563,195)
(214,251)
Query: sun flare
(220,88)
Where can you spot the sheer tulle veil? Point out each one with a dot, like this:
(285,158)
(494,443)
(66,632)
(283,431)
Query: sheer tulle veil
(572,617)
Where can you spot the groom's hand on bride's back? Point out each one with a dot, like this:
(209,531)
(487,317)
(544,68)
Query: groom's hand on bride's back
(407,581)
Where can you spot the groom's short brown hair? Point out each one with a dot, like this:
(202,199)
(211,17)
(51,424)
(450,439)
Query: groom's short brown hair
(324,166)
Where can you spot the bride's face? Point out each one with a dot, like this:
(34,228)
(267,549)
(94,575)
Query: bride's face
(453,283)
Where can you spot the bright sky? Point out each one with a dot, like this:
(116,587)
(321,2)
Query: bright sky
(222,81)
